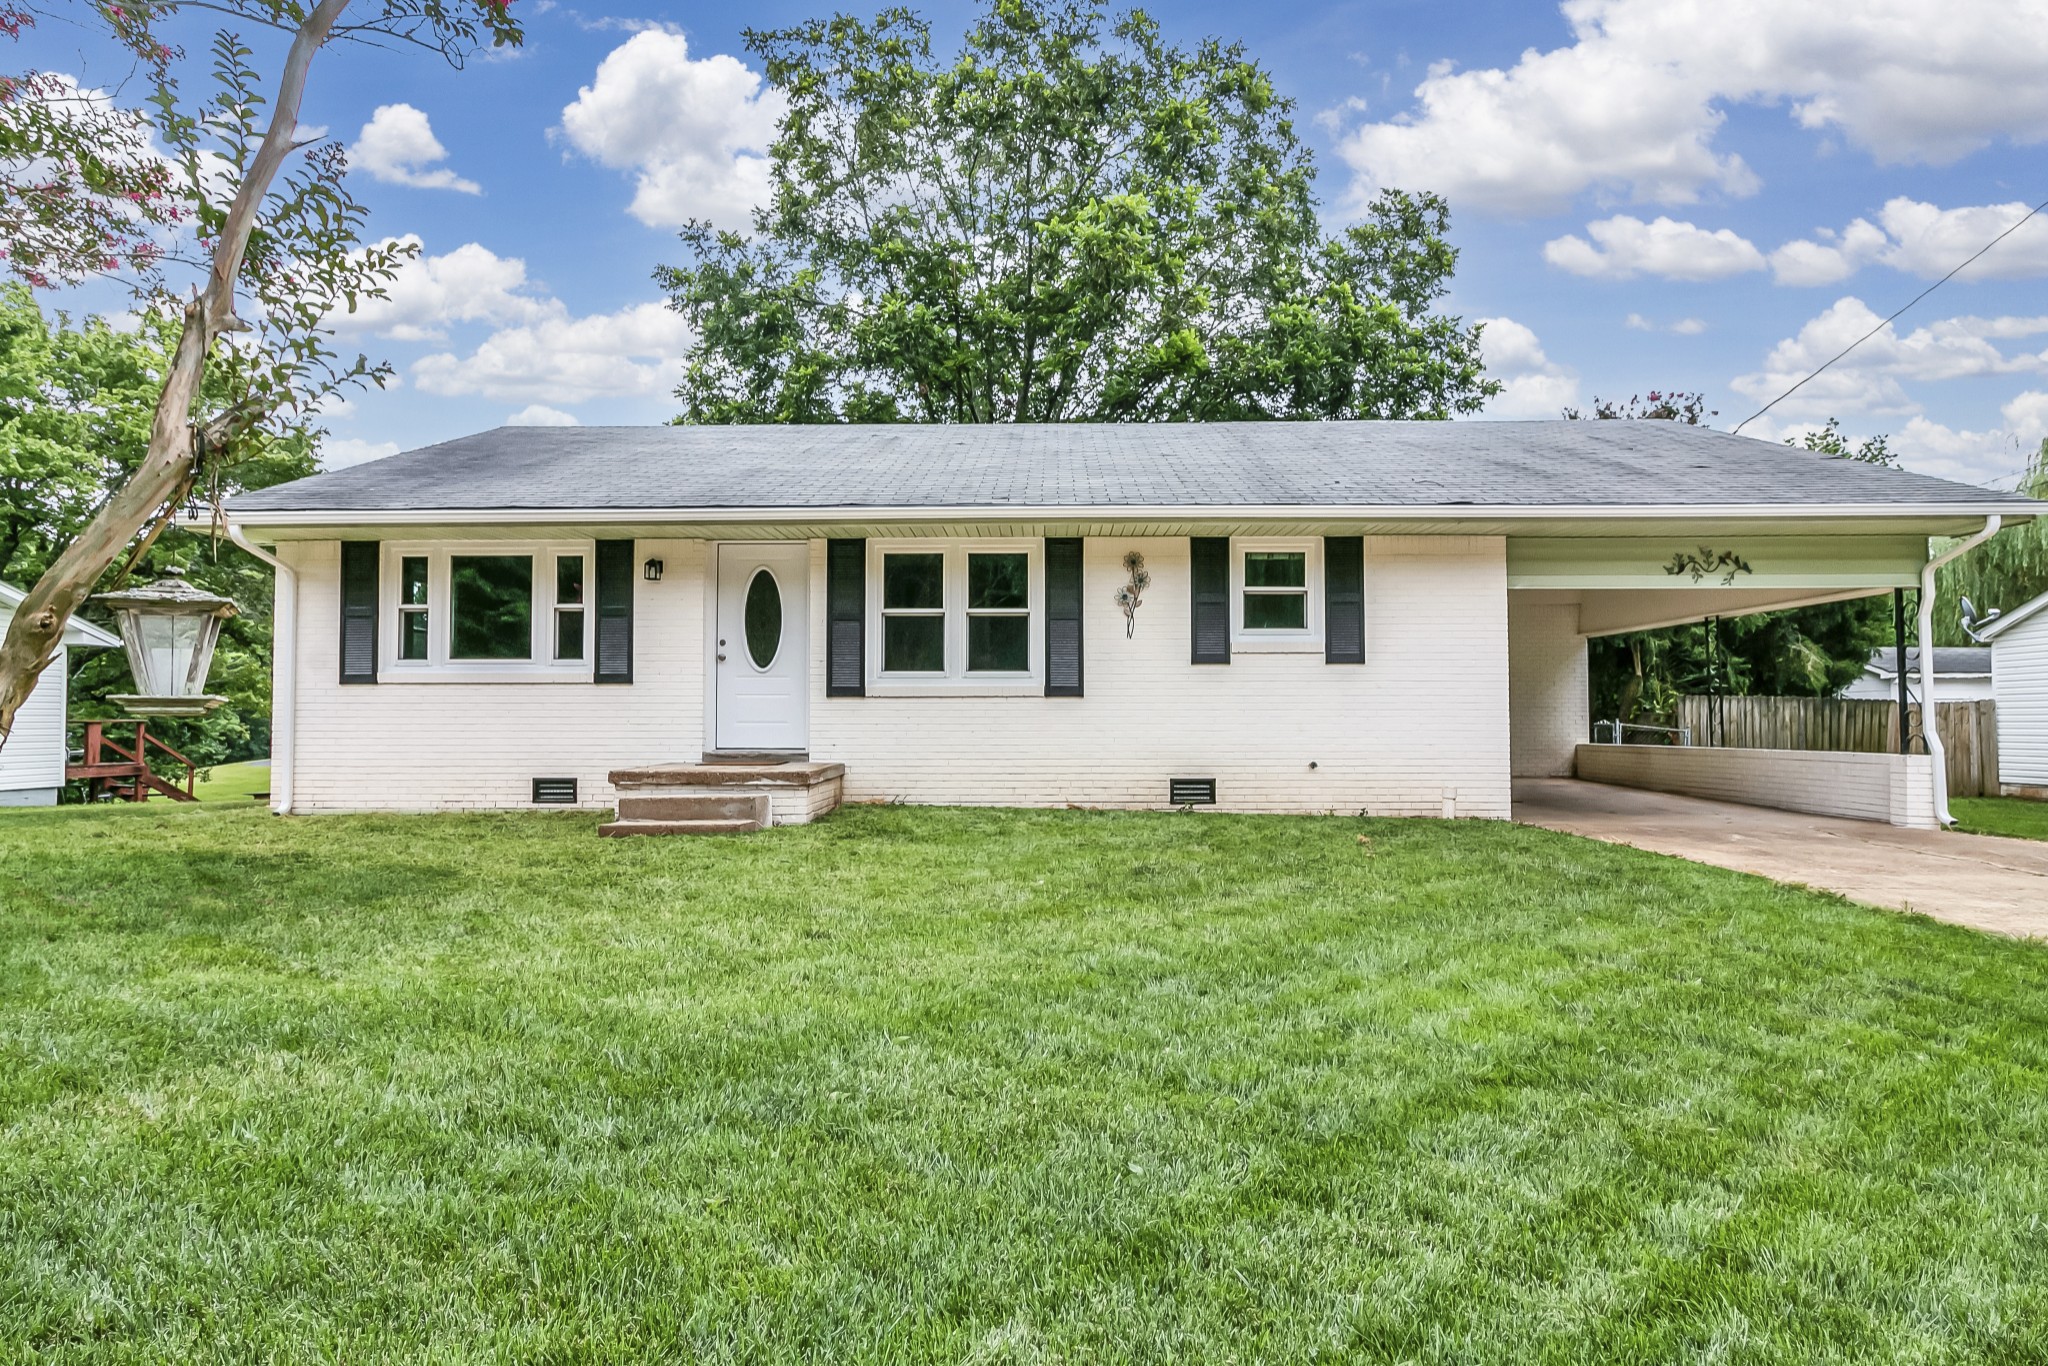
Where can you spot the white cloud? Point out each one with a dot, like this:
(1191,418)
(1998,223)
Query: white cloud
(469,284)
(398,147)
(1625,247)
(1532,385)
(1634,104)
(635,352)
(692,130)
(1871,378)
(2026,417)
(540,415)
(1684,327)
(340,452)
(1921,239)
(1689,327)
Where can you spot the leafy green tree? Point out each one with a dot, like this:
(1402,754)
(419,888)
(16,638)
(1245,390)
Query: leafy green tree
(2009,569)
(1069,220)
(253,214)
(75,410)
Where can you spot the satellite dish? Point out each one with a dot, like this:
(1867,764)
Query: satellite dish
(1971,621)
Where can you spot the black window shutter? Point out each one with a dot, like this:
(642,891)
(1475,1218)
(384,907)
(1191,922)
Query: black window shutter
(614,612)
(846,600)
(1209,585)
(1063,616)
(1343,600)
(359,611)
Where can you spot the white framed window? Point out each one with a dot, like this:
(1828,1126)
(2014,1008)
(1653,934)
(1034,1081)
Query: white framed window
(963,617)
(1276,594)
(478,611)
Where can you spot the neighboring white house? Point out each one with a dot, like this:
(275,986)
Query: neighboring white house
(2019,669)
(1387,617)
(1961,674)
(32,760)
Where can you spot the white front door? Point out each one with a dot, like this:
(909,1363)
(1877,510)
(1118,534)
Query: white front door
(761,661)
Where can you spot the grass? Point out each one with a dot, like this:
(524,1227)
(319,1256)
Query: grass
(232,782)
(2014,816)
(928,1085)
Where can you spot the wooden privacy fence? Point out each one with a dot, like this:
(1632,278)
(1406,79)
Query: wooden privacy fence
(1969,730)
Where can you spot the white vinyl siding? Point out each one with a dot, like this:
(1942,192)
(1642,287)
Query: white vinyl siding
(2019,674)
(32,760)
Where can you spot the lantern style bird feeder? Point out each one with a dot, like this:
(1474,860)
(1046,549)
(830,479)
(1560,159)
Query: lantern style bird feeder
(169,629)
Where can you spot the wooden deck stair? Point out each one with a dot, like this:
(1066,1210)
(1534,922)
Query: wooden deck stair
(721,798)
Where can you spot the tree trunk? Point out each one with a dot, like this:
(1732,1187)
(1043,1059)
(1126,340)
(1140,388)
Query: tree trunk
(36,632)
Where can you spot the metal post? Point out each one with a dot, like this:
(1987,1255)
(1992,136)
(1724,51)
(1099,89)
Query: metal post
(1899,663)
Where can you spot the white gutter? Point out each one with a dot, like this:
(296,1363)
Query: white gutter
(1007,512)
(284,680)
(1930,725)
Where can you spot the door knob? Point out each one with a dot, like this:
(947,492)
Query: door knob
(721,656)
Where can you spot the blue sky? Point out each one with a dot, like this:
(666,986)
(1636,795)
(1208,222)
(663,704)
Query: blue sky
(1648,194)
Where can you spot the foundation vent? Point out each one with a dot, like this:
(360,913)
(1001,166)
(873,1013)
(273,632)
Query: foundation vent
(554,792)
(1191,791)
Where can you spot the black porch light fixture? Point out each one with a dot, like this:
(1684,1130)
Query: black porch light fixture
(651,571)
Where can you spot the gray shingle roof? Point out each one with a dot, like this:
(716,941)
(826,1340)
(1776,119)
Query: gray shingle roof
(1356,464)
(1958,661)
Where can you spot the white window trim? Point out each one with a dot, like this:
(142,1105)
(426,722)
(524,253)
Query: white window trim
(1308,640)
(956,681)
(437,667)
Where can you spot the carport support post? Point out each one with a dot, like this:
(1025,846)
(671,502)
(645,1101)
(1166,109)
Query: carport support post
(1930,728)
(1899,667)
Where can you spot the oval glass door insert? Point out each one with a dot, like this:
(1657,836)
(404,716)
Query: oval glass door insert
(763,619)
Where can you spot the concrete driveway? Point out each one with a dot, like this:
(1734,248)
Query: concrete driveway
(1992,884)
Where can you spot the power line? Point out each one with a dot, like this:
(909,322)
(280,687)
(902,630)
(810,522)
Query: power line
(1888,321)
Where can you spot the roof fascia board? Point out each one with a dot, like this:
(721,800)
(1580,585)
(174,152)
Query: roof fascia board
(2013,618)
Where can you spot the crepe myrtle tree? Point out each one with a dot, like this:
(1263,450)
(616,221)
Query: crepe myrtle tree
(229,208)
(1070,219)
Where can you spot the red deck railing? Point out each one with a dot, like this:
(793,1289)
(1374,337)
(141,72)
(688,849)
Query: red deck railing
(110,771)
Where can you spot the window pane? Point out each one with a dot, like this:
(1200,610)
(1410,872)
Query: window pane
(914,645)
(569,634)
(998,581)
(412,580)
(490,606)
(1276,611)
(568,580)
(763,619)
(1275,569)
(998,644)
(412,635)
(913,581)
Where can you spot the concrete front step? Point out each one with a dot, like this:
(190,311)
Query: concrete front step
(621,828)
(712,805)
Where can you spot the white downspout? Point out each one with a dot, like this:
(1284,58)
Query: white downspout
(284,680)
(1930,728)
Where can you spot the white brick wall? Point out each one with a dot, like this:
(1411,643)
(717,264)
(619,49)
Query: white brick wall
(1421,724)
(417,746)
(1548,700)
(32,760)
(1896,789)
(1420,728)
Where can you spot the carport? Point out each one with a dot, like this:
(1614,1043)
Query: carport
(1566,588)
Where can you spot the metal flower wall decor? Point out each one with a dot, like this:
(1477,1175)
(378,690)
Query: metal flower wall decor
(1725,563)
(1131,596)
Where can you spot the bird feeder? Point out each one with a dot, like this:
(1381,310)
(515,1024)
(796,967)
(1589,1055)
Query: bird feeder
(169,629)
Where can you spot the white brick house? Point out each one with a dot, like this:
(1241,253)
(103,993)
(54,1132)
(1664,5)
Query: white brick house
(1381,617)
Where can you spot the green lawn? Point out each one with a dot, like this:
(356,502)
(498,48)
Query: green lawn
(233,782)
(2014,816)
(930,1085)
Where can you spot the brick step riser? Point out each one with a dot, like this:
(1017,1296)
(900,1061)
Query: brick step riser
(623,829)
(694,807)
